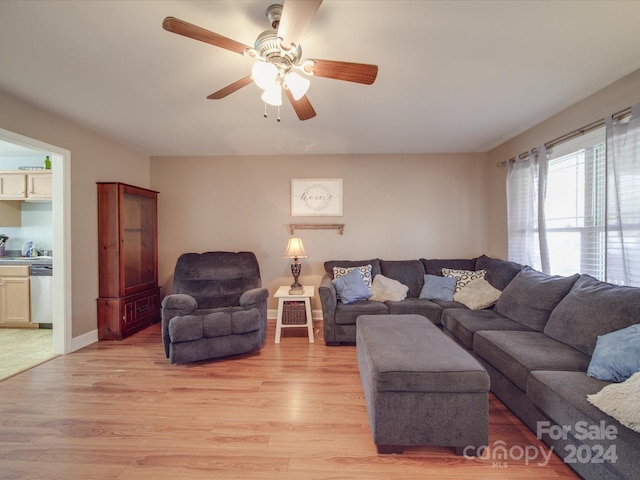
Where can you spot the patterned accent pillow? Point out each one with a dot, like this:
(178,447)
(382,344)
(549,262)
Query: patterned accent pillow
(365,271)
(463,277)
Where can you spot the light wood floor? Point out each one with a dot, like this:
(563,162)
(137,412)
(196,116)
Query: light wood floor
(119,410)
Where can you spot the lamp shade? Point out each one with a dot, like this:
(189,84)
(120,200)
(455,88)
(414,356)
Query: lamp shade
(272,95)
(297,84)
(264,74)
(294,249)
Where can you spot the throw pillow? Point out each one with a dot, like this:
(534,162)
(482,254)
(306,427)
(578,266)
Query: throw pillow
(438,288)
(477,295)
(351,287)
(463,277)
(620,400)
(617,355)
(385,289)
(365,272)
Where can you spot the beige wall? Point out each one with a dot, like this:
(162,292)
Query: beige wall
(395,207)
(93,158)
(617,96)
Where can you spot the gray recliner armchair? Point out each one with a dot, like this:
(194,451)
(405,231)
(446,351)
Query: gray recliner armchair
(218,307)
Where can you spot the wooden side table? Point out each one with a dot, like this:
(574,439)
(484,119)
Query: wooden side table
(283,296)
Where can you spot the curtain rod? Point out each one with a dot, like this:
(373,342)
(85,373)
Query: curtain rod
(568,136)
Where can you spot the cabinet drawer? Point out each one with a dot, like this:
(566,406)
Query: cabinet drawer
(140,308)
(123,316)
(14,270)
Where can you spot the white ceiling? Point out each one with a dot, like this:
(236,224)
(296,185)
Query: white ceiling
(455,76)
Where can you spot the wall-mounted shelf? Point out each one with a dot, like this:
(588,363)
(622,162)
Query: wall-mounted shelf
(316,226)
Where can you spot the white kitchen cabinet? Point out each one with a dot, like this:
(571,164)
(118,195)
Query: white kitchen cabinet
(39,185)
(13,185)
(18,185)
(14,296)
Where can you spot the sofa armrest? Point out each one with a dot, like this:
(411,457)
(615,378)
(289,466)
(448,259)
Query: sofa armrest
(252,297)
(174,305)
(329,302)
(182,303)
(257,298)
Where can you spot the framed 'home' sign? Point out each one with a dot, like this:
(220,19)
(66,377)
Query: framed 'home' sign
(316,197)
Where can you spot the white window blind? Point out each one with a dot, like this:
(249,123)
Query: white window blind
(575,206)
(585,217)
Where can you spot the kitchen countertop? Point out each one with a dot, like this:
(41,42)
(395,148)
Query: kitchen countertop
(26,260)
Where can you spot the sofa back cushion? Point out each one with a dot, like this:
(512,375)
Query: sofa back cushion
(499,272)
(531,296)
(434,266)
(590,309)
(408,272)
(216,279)
(375,265)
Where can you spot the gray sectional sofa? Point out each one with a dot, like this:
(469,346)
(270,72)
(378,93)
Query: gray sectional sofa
(536,343)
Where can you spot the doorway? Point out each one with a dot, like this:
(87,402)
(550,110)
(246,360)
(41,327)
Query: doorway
(61,230)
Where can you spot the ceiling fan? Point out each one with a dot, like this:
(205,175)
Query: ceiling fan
(279,64)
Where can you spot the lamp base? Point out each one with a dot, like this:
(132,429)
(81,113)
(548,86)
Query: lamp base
(296,290)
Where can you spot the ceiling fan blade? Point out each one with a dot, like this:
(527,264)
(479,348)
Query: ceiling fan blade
(175,25)
(296,18)
(302,107)
(348,71)
(229,89)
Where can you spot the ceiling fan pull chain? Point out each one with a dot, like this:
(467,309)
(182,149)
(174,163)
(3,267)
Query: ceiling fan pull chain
(265,110)
(278,113)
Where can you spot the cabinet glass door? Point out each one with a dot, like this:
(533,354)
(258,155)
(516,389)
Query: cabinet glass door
(139,241)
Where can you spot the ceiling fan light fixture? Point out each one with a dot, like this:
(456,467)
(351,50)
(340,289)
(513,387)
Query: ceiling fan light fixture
(264,74)
(297,84)
(273,95)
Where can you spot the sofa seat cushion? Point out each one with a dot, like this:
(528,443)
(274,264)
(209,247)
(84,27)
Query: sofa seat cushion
(463,323)
(531,297)
(516,354)
(416,306)
(562,397)
(346,314)
(590,309)
(446,304)
(188,328)
(407,272)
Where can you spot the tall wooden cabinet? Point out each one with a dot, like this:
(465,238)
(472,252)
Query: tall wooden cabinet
(128,260)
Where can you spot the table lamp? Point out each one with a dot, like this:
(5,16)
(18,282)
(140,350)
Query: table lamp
(295,250)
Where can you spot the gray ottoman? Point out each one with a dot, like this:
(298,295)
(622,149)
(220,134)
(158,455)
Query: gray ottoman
(420,387)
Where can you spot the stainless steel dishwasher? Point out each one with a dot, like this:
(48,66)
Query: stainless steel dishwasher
(41,294)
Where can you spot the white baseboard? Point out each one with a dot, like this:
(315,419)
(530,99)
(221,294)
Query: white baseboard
(84,340)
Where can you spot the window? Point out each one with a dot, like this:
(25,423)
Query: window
(575,206)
